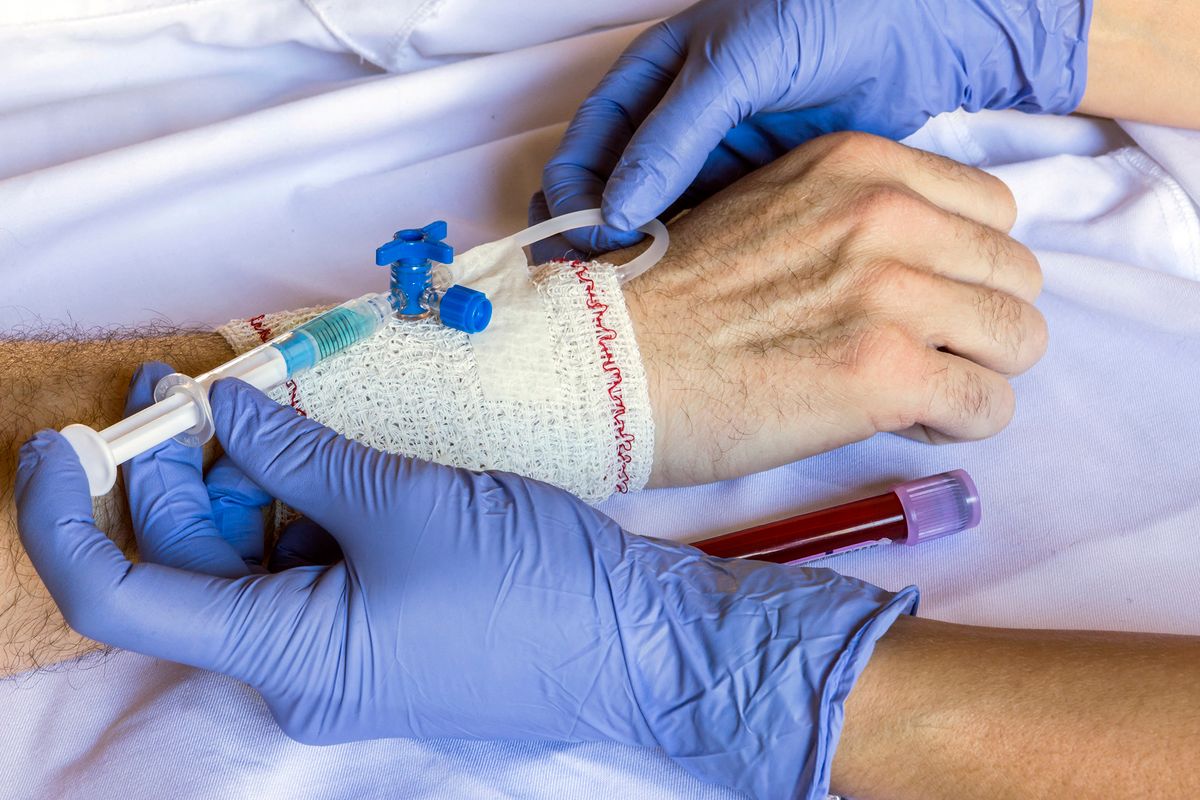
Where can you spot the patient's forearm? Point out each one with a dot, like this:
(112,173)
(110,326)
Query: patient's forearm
(954,711)
(48,384)
(1144,61)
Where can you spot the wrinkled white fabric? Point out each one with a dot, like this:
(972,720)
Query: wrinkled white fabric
(233,177)
(415,34)
(554,389)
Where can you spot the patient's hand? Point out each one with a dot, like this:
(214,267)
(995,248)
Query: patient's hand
(853,287)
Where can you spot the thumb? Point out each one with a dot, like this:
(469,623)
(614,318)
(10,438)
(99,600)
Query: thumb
(671,146)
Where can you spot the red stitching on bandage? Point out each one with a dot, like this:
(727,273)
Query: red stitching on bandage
(262,330)
(264,334)
(604,335)
(294,397)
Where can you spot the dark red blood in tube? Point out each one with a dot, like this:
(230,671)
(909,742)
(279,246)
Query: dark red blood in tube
(817,533)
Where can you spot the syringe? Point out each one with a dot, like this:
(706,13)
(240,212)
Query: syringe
(182,409)
(912,512)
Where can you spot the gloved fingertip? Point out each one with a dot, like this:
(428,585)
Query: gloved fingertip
(230,404)
(227,482)
(304,543)
(555,248)
(47,445)
(50,479)
(30,453)
(150,371)
(141,386)
(625,204)
(616,217)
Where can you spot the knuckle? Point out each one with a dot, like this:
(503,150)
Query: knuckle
(1008,322)
(1002,313)
(970,396)
(992,245)
(854,146)
(883,206)
(1012,261)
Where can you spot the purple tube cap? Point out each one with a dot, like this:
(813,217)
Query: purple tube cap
(939,505)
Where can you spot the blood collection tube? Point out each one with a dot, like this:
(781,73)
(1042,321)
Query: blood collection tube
(912,512)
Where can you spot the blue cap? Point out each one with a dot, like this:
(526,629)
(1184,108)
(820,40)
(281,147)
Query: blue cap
(465,309)
(415,246)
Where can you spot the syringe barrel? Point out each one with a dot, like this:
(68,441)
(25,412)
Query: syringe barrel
(273,362)
(182,409)
(330,333)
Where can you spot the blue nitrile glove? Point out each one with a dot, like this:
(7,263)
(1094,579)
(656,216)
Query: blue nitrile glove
(728,85)
(176,520)
(479,605)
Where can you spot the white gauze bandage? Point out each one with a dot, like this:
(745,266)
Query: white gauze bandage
(554,389)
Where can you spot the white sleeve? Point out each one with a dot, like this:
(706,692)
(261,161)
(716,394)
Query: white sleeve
(405,35)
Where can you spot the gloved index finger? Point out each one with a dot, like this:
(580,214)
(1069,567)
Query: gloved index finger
(575,176)
(199,620)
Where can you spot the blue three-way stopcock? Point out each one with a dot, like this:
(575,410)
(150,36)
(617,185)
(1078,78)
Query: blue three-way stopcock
(419,289)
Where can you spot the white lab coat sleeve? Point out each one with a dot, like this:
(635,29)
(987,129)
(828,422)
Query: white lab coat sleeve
(407,35)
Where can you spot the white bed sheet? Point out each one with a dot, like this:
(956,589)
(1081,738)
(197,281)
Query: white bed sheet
(259,163)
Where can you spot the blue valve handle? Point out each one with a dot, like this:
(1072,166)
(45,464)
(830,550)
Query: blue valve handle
(413,247)
(410,255)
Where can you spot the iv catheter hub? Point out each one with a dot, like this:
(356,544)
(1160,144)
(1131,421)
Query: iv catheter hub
(419,289)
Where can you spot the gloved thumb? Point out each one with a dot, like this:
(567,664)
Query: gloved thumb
(671,146)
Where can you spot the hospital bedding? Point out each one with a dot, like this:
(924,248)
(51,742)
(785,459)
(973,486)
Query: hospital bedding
(196,161)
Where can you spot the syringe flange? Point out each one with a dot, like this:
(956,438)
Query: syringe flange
(177,383)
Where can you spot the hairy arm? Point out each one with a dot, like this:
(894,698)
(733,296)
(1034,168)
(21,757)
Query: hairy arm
(956,711)
(49,383)
(1144,61)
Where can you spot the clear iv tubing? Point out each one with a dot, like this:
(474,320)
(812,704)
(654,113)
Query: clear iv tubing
(181,409)
(592,217)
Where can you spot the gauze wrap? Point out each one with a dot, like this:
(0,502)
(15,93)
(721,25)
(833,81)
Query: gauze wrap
(554,389)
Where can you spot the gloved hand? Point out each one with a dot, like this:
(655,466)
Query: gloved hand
(728,85)
(465,604)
